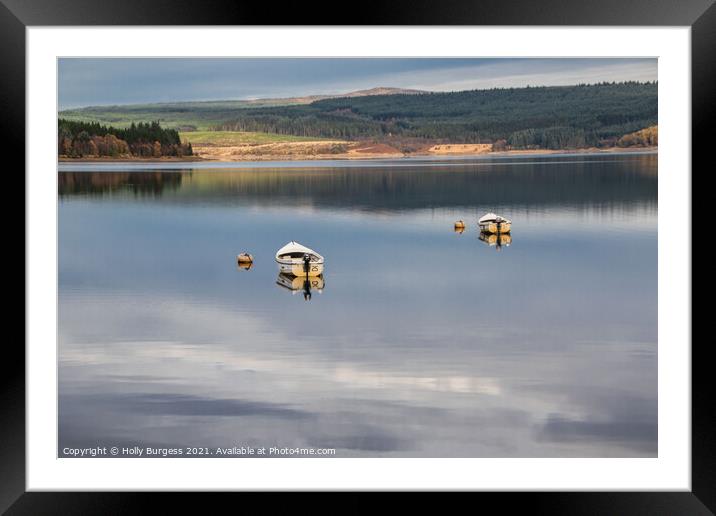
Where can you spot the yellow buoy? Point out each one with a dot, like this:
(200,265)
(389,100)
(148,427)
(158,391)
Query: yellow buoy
(459,225)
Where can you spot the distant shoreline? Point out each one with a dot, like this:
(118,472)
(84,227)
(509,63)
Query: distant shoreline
(589,150)
(362,156)
(109,159)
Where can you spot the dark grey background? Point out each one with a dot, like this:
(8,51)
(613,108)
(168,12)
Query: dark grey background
(15,15)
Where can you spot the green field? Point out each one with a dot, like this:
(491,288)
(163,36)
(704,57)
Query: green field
(171,120)
(230,138)
(172,115)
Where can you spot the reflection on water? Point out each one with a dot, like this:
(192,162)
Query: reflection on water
(496,240)
(99,183)
(305,284)
(425,345)
(535,183)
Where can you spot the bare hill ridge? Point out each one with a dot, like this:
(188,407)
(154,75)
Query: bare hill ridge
(263,101)
(204,114)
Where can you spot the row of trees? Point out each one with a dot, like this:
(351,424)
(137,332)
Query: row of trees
(548,117)
(79,139)
(645,138)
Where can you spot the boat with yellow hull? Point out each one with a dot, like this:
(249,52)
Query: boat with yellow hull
(491,223)
(299,260)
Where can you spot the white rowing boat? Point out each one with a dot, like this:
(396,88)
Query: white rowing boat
(299,260)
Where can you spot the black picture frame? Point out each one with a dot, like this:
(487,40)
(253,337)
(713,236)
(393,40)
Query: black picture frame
(700,15)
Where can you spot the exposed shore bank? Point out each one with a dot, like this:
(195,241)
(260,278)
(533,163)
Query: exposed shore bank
(110,159)
(345,150)
(376,151)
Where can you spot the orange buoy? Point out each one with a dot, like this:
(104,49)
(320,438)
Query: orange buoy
(245,258)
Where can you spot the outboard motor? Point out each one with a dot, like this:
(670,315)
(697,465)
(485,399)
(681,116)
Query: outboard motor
(306,263)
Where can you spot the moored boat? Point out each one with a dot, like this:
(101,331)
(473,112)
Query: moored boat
(491,223)
(299,260)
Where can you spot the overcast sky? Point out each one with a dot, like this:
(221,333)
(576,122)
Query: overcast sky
(107,81)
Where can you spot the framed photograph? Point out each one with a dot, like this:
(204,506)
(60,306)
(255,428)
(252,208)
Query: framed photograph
(432,250)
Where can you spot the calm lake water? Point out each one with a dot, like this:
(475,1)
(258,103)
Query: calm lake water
(422,342)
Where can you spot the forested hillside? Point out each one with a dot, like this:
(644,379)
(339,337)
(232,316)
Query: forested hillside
(547,117)
(554,117)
